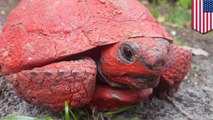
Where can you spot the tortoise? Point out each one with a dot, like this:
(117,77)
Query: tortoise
(96,54)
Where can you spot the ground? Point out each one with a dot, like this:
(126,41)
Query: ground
(193,101)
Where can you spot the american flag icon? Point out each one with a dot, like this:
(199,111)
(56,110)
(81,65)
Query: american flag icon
(202,15)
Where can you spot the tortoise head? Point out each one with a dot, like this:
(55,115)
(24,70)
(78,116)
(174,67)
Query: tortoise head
(135,63)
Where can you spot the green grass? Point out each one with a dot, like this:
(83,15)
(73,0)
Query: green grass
(175,14)
(185,4)
(15,117)
(77,114)
(156,1)
(178,17)
(128,108)
(154,11)
(179,42)
(80,114)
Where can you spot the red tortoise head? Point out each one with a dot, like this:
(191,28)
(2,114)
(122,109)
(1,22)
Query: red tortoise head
(134,63)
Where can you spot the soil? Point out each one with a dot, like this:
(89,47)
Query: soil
(193,101)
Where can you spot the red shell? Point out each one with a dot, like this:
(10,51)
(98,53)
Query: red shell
(40,31)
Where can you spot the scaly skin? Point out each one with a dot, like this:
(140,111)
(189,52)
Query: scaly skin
(49,86)
(149,56)
(177,66)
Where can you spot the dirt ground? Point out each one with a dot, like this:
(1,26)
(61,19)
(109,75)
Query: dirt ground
(193,101)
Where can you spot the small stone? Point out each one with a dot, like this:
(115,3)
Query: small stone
(197,51)
(161,19)
(174,33)
(3,12)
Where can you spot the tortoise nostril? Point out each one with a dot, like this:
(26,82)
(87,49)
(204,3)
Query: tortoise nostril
(154,63)
(159,64)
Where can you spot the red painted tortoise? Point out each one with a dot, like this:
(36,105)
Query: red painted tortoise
(104,54)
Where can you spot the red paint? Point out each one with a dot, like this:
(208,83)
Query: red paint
(148,48)
(106,98)
(177,66)
(49,86)
(39,34)
(55,30)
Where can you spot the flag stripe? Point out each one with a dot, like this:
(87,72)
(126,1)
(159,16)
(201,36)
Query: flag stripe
(197,15)
(209,27)
(206,23)
(210,20)
(200,16)
(193,14)
(195,20)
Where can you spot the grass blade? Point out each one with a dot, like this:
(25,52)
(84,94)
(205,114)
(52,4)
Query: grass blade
(67,115)
(14,117)
(73,115)
(48,118)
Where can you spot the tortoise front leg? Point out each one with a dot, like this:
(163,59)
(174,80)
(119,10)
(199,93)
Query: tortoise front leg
(51,85)
(176,68)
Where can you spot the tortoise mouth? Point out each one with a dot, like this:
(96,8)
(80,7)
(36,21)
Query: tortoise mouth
(130,81)
(144,81)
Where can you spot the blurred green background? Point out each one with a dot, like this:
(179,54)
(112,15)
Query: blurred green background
(175,13)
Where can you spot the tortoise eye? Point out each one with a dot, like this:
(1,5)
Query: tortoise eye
(126,54)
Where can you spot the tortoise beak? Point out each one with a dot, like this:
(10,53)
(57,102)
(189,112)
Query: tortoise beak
(148,81)
(139,81)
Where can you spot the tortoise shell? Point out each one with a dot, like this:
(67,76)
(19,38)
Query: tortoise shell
(38,32)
